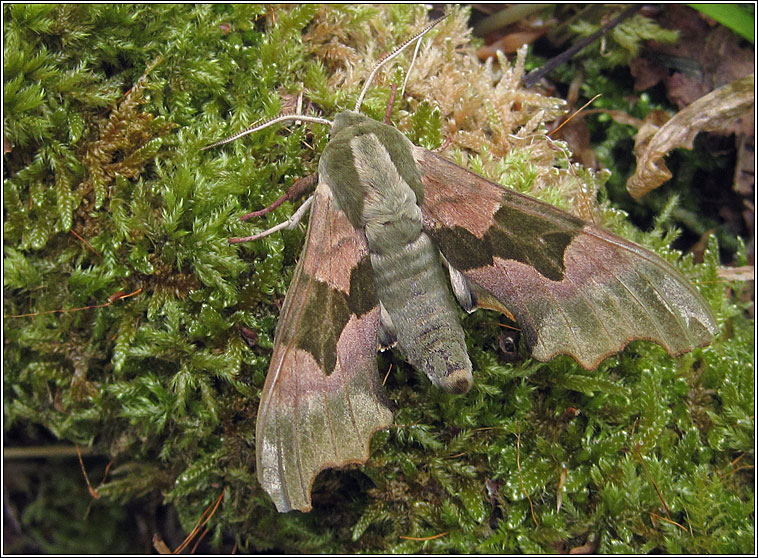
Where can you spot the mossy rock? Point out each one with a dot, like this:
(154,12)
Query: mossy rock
(124,305)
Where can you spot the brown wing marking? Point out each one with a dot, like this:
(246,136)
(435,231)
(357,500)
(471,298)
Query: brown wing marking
(316,414)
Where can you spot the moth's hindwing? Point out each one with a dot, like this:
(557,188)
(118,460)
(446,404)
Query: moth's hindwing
(574,288)
(322,399)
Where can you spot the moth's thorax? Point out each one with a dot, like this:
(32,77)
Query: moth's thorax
(374,177)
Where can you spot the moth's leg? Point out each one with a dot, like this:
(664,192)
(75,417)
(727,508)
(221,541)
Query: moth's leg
(390,104)
(444,145)
(387,335)
(290,223)
(461,288)
(295,191)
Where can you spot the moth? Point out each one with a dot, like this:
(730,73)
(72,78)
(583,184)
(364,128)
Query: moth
(398,237)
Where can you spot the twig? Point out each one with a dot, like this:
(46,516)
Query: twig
(92,491)
(425,538)
(585,105)
(36,452)
(652,480)
(204,518)
(521,478)
(87,244)
(113,298)
(668,520)
(535,75)
(387,375)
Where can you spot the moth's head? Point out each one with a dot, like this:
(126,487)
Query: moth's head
(346,119)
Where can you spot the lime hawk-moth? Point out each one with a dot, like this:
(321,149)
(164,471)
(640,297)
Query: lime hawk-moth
(397,237)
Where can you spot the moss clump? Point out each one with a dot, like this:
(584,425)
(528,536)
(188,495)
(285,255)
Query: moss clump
(107,191)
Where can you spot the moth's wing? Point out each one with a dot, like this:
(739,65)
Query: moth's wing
(323,398)
(574,288)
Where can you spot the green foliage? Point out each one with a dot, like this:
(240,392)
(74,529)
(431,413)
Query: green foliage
(627,39)
(738,18)
(107,108)
(427,123)
(61,517)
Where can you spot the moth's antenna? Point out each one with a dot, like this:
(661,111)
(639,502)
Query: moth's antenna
(413,61)
(266,124)
(392,55)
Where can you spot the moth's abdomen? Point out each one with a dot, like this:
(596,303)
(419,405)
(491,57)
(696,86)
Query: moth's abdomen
(413,289)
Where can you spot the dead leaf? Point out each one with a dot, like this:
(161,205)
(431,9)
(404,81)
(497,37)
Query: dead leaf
(577,135)
(647,72)
(159,545)
(706,56)
(588,548)
(510,43)
(713,112)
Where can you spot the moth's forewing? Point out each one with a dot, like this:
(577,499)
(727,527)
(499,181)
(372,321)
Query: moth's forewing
(322,399)
(574,288)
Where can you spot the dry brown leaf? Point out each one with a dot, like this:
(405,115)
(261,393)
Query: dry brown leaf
(159,545)
(705,57)
(713,112)
(510,43)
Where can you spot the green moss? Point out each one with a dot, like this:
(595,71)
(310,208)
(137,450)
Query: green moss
(107,108)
